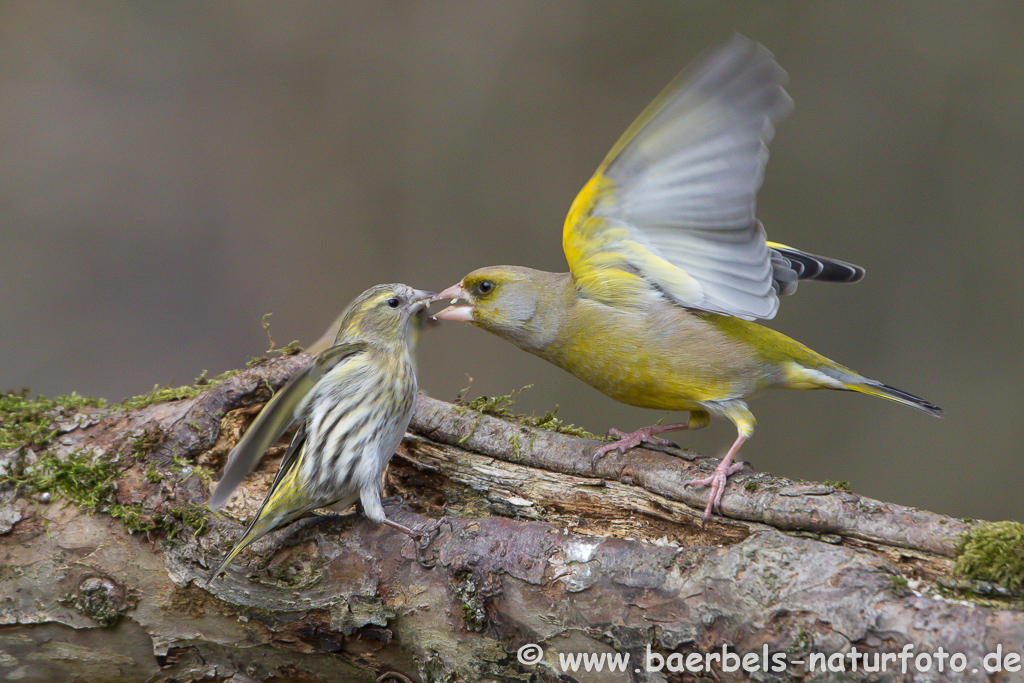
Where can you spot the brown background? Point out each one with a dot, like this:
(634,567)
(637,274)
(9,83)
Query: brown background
(170,172)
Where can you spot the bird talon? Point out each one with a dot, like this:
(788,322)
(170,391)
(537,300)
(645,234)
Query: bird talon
(717,481)
(423,537)
(630,440)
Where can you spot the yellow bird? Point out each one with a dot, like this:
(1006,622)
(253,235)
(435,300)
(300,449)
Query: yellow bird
(668,267)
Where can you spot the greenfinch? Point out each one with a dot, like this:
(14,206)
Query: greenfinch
(668,267)
(353,402)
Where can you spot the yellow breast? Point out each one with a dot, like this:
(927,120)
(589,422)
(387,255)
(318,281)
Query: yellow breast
(659,357)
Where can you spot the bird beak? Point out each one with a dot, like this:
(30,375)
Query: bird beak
(463,313)
(420,299)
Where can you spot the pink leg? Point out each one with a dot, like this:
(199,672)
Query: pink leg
(718,478)
(634,439)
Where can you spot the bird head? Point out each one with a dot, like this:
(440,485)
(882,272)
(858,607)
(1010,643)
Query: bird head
(504,300)
(384,313)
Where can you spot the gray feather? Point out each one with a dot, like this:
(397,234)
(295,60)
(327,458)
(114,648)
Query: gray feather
(687,179)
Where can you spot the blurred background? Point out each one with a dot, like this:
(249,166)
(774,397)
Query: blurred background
(171,172)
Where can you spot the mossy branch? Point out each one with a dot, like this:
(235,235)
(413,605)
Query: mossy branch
(107,540)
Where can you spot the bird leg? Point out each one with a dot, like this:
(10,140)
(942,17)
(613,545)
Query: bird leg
(718,478)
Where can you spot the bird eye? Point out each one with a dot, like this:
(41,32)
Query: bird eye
(394,302)
(485,286)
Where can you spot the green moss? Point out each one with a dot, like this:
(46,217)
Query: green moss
(144,443)
(29,422)
(89,481)
(899,583)
(993,553)
(474,613)
(85,478)
(190,516)
(837,485)
(166,394)
(750,486)
(498,406)
(551,423)
(292,349)
(82,478)
(137,521)
(153,475)
(134,518)
(501,407)
(801,643)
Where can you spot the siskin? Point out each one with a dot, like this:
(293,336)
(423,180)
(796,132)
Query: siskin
(353,401)
(668,267)
(421,321)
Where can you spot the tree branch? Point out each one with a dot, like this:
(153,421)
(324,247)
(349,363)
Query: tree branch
(541,549)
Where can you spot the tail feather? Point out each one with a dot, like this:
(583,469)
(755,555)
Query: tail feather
(791,265)
(259,527)
(874,388)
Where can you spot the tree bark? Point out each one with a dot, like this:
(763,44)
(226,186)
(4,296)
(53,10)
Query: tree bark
(541,549)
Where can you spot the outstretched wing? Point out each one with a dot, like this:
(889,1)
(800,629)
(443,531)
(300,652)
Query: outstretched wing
(275,418)
(671,208)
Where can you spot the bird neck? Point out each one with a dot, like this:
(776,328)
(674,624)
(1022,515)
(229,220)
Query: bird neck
(554,292)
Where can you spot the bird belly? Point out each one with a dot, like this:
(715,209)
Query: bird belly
(673,361)
(353,432)
(649,383)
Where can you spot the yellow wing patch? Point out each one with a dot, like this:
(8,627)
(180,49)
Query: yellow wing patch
(605,260)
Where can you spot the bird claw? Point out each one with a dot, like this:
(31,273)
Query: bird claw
(630,440)
(424,536)
(717,482)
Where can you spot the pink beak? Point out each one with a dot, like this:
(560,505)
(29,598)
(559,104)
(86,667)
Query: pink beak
(463,313)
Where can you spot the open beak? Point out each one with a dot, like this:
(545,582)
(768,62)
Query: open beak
(420,299)
(462,313)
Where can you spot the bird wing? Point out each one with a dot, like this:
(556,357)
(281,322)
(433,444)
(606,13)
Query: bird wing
(287,406)
(671,208)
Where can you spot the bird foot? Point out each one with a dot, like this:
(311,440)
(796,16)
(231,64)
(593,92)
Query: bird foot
(426,536)
(423,536)
(717,482)
(627,441)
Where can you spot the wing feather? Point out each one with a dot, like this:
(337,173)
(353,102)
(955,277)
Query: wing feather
(671,208)
(281,411)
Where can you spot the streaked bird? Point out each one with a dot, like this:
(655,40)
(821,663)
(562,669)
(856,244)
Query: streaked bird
(353,402)
(421,321)
(668,267)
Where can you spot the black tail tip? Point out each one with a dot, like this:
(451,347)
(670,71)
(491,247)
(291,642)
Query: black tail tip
(915,401)
(822,268)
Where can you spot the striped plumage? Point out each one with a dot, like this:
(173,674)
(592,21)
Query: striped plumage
(353,401)
(361,406)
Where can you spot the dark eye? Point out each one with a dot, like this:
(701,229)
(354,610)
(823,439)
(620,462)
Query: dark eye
(394,302)
(485,286)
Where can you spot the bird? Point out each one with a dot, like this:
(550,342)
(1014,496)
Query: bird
(669,268)
(353,403)
(421,321)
